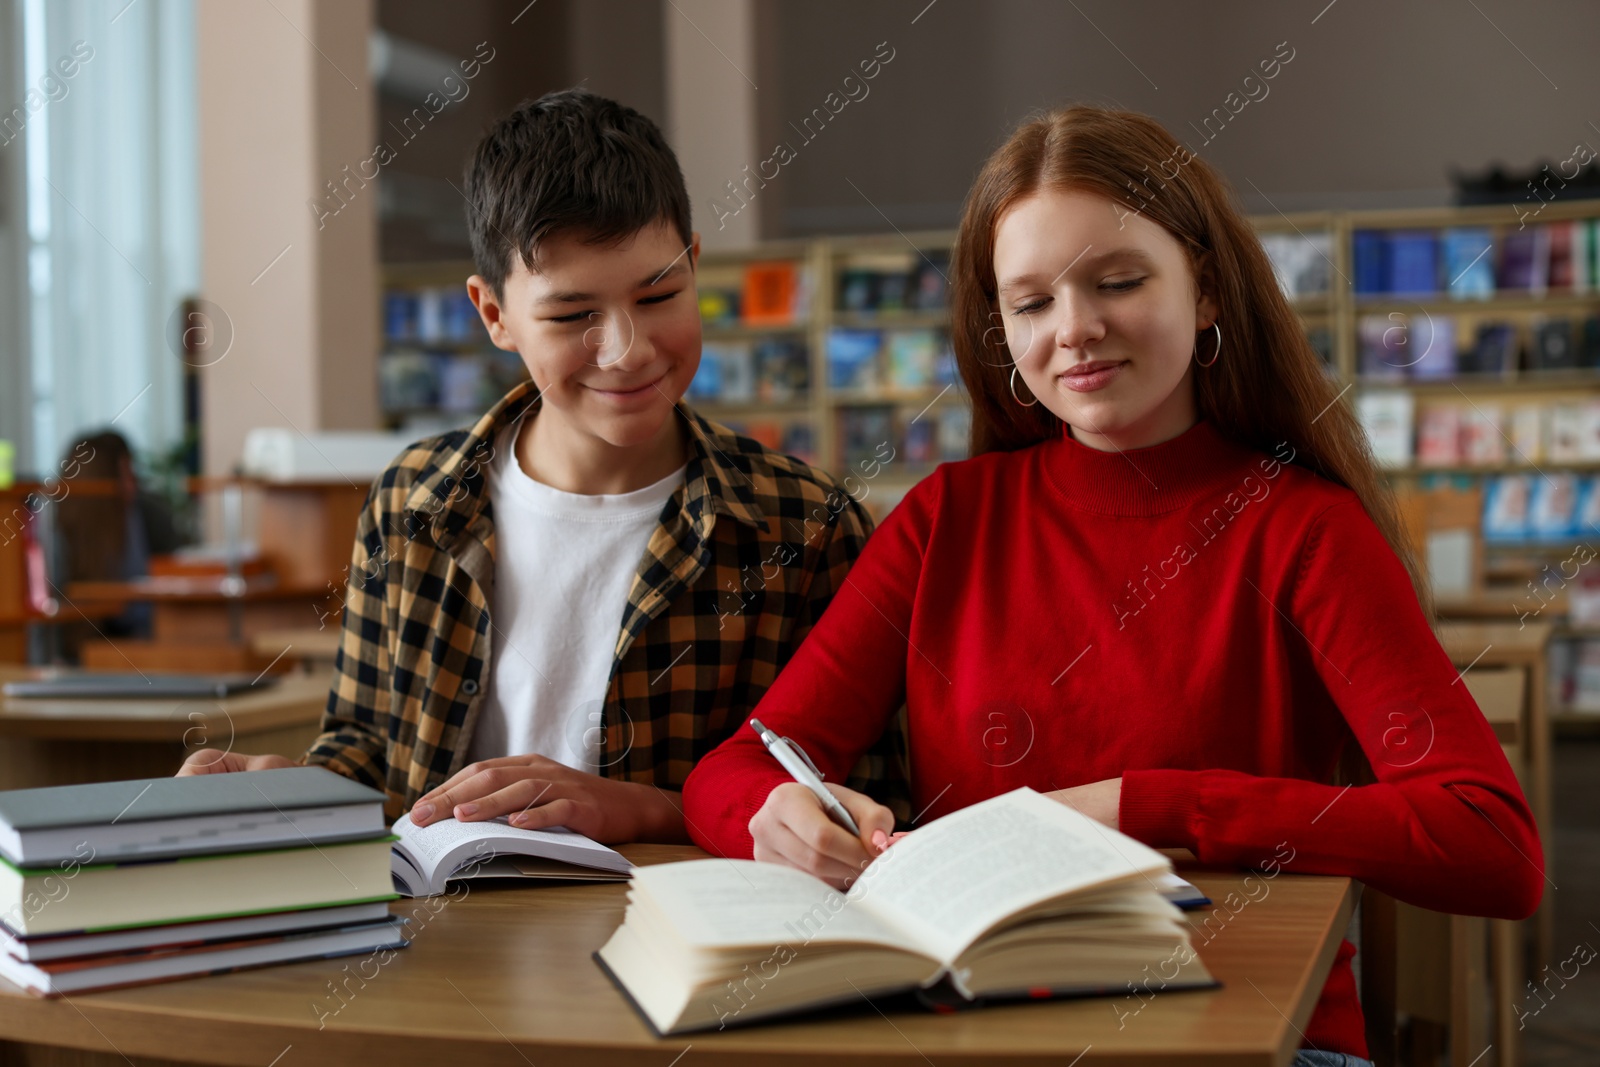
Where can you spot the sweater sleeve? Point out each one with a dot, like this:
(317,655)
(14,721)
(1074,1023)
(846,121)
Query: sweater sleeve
(836,696)
(1445,826)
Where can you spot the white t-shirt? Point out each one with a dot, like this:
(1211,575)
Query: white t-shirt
(564,564)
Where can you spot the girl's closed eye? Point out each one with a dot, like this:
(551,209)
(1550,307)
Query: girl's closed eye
(659,298)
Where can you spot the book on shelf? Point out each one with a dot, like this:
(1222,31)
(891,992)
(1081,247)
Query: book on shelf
(408,380)
(913,357)
(1524,260)
(1016,897)
(862,430)
(1527,431)
(1553,347)
(795,436)
(1475,262)
(1468,255)
(1505,507)
(1586,524)
(768,432)
(1482,443)
(799,440)
(1565,443)
(1380,352)
(1553,507)
(1370,258)
(1561,270)
(427,859)
(870,284)
(719,306)
(930,288)
(1589,342)
(920,447)
(1583,249)
(431,315)
(782,369)
(730,372)
(461,382)
(1589,431)
(853,358)
(1320,338)
(773,293)
(1431,340)
(955,431)
(1387,419)
(1413,262)
(707,381)
(464,384)
(1299,261)
(1495,350)
(1439,435)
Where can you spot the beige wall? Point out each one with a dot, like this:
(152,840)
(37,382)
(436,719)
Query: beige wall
(711,89)
(284,107)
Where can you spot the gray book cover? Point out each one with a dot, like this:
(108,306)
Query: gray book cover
(150,799)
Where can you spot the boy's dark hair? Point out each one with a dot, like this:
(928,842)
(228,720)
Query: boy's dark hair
(569,161)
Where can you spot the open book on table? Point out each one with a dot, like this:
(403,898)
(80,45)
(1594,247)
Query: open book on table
(1011,897)
(427,858)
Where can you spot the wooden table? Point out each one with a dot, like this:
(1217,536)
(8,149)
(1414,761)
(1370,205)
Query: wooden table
(503,976)
(61,742)
(1511,644)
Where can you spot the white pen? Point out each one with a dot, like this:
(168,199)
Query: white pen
(800,768)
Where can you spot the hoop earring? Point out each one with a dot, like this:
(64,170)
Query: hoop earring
(1218,327)
(1014,390)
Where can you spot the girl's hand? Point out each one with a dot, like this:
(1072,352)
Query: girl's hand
(793,829)
(1098,800)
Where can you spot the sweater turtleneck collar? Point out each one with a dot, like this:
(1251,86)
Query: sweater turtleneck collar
(1145,481)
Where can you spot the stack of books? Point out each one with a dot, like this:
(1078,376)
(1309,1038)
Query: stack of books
(123,883)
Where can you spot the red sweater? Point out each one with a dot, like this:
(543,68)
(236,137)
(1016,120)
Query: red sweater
(1203,621)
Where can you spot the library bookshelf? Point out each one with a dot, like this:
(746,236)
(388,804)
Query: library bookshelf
(785,348)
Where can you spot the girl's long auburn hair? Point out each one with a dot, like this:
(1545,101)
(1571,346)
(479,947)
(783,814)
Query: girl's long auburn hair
(1267,387)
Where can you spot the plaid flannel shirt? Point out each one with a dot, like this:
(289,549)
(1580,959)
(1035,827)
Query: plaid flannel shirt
(745,557)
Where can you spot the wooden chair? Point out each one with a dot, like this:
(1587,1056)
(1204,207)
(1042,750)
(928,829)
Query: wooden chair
(1454,976)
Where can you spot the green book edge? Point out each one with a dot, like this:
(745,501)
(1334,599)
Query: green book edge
(238,914)
(41,872)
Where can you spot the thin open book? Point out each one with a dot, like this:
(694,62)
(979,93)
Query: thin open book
(427,858)
(1011,897)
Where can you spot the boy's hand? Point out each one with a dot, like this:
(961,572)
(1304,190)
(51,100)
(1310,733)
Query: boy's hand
(793,829)
(538,793)
(215,761)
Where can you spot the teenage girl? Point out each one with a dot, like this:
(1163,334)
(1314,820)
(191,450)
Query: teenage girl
(1168,589)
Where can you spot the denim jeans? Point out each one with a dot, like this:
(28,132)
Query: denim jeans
(1308,1057)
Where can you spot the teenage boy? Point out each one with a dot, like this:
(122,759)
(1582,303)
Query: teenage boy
(551,616)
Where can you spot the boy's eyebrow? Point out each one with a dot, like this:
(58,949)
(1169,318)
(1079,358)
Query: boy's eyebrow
(1137,255)
(672,270)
